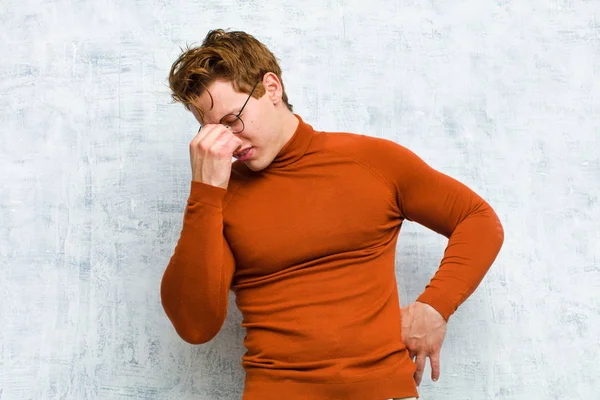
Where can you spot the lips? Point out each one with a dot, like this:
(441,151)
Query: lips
(242,153)
(239,153)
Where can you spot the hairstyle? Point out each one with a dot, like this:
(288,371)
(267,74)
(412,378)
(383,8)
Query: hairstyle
(235,56)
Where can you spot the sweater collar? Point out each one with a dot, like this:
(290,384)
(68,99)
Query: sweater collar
(295,147)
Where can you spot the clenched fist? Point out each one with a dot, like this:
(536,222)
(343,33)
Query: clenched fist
(210,154)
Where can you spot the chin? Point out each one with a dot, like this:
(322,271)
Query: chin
(257,165)
(254,166)
(251,166)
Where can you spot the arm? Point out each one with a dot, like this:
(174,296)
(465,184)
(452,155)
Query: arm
(449,208)
(195,286)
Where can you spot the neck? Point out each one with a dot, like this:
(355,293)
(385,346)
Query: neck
(289,124)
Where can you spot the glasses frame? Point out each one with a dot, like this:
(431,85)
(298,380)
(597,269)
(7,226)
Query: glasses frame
(237,116)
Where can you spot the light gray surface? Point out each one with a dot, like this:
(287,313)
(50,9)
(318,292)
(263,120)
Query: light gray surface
(95,172)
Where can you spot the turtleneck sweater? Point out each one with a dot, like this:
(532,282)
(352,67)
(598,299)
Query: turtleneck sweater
(308,247)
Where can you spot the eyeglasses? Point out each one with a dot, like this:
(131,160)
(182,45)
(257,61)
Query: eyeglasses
(233,122)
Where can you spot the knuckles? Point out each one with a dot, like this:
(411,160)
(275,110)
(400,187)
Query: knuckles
(215,148)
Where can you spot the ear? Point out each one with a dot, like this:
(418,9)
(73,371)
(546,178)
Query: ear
(273,87)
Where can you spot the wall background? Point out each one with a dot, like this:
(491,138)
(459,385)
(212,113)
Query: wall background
(503,95)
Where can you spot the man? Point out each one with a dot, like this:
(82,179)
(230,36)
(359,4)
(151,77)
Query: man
(302,227)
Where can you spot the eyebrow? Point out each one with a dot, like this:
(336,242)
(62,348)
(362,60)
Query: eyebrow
(233,111)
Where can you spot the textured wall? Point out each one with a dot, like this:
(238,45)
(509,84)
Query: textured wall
(94,166)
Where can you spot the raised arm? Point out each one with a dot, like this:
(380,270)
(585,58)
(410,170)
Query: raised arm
(195,286)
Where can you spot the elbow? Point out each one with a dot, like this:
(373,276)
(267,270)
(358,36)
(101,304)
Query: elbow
(195,336)
(196,321)
(194,331)
(494,224)
(193,328)
(498,229)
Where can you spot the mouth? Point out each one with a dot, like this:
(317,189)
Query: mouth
(243,154)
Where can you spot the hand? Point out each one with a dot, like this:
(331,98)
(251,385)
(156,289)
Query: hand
(423,331)
(210,155)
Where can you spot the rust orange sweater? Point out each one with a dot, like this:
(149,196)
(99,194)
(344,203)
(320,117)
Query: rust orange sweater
(308,247)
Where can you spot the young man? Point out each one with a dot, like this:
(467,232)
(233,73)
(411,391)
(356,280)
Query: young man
(303,229)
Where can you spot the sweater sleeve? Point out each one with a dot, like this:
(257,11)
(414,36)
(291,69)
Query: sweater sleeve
(195,286)
(449,208)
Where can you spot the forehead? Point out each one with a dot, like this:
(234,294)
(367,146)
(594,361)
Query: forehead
(224,100)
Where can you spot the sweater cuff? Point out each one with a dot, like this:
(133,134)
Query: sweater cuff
(437,300)
(206,194)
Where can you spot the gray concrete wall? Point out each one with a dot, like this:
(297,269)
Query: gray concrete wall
(94,167)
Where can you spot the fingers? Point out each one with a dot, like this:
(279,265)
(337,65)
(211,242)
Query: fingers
(412,354)
(216,140)
(420,364)
(434,360)
(420,361)
(208,134)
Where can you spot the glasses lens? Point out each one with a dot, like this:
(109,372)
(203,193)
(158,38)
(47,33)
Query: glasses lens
(233,122)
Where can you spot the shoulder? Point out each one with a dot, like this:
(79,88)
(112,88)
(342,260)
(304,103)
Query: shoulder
(393,162)
(372,150)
